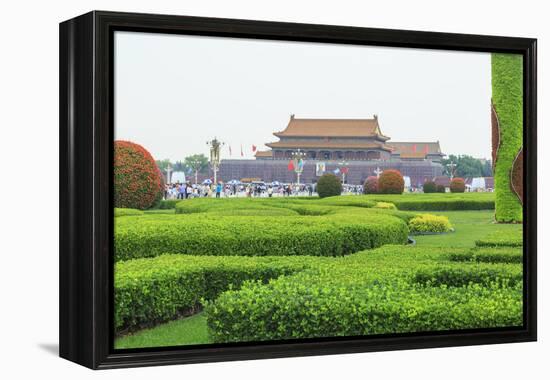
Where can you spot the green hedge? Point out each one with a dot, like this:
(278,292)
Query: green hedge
(507,94)
(393,289)
(490,255)
(434,201)
(127,212)
(349,230)
(149,291)
(502,239)
(309,306)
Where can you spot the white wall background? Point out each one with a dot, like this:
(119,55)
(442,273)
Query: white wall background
(29,234)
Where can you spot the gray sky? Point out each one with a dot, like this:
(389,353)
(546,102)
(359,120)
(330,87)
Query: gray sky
(173,93)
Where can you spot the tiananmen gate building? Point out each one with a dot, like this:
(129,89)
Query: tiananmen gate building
(357,144)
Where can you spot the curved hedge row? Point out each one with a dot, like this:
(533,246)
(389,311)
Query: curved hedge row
(307,305)
(342,232)
(149,291)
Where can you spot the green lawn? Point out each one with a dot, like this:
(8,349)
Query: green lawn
(184,331)
(469,226)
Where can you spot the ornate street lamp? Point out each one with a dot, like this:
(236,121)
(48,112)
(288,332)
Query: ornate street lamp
(298,162)
(196,165)
(451,167)
(215,146)
(378,172)
(169,170)
(343,170)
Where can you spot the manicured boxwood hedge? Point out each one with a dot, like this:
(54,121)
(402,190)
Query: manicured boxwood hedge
(427,223)
(507,94)
(358,296)
(490,255)
(438,202)
(340,233)
(149,291)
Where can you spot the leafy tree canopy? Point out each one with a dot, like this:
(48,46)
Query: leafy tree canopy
(467,166)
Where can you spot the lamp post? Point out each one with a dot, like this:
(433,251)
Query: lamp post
(344,170)
(169,174)
(196,165)
(378,172)
(215,146)
(451,167)
(298,162)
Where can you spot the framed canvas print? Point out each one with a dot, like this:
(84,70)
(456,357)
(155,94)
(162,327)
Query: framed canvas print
(237,189)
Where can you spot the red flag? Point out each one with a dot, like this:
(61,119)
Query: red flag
(253,148)
(290,165)
(344,170)
(230,150)
(414,148)
(242,153)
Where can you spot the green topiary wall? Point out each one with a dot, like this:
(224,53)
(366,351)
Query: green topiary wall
(507,87)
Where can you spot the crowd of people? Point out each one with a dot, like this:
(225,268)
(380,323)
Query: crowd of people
(187,190)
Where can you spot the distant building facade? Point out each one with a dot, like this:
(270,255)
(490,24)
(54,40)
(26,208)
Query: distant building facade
(357,144)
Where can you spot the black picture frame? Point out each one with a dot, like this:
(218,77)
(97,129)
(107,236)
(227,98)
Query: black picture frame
(86,207)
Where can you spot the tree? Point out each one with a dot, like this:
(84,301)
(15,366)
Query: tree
(467,166)
(197,163)
(163,164)
(371,185)
(429,187)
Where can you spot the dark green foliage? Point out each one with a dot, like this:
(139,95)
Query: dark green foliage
(458,185)
(391,182)
(438,202)
(440,189)
(149,291)
(364,294)
(507,85)
(429,187)
(467,166)
(329,185)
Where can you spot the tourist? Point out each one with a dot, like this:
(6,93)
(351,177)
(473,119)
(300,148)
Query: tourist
(218,190)
(269,191)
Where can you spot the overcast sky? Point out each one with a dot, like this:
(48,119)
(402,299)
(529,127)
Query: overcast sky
(173,93)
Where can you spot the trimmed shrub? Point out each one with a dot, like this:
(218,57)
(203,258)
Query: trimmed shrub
(137,179)
(429,187)
(482,273)
(150,291)
(371,185)
(329,185)
(440,189)
(427,223)
(167,204)
(508,255)
(457,185)
(391,182)
(502,239)
(347,301)
(127,212)
(339,233)
(507,95)
(385,206)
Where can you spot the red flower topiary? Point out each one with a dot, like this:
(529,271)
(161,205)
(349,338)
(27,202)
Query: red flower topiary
(371,185)
(137,177)
(391,182)
(457,185)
